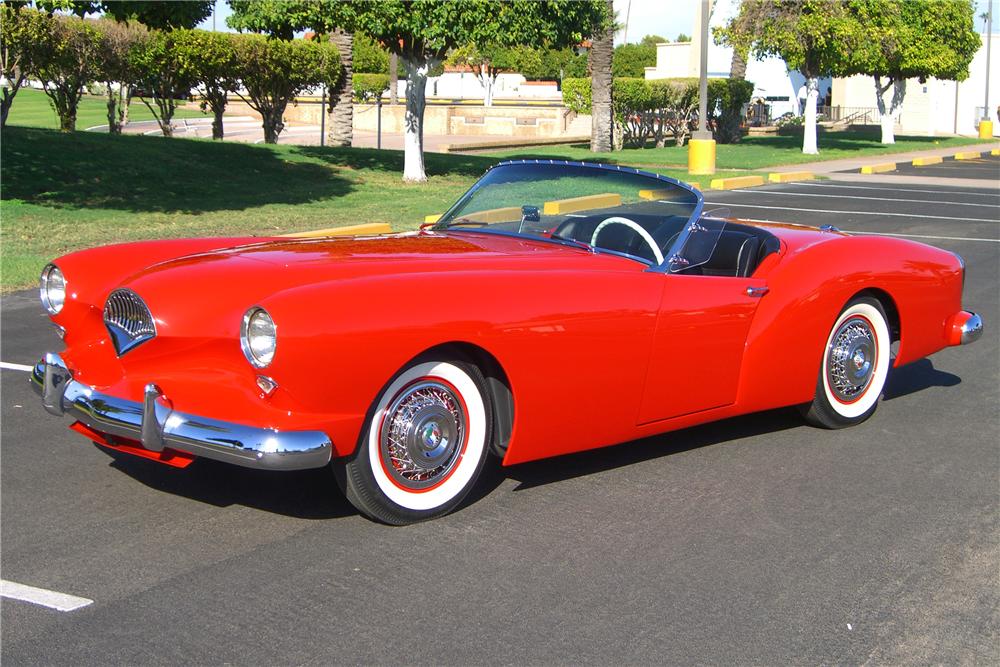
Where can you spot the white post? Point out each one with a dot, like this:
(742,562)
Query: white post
(413,137)
(809,131)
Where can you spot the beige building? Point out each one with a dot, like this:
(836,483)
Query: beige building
(935,107)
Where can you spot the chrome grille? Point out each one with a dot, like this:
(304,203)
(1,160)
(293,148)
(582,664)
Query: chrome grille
(128,320)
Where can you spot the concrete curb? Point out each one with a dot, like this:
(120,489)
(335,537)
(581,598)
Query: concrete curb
(880,168)
(968,155)
(927,161)
(511,143)
(736,182)
(785,177)
(350,230)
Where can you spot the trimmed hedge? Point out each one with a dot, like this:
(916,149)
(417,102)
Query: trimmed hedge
(652,109)
(369,87)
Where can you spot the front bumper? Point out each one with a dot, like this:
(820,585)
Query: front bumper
(965,328)
(157,425)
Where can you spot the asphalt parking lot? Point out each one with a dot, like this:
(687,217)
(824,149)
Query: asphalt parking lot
(987,166)
(757,540)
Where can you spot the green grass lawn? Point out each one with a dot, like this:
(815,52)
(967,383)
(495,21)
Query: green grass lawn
(64,191)
(31,108)
(751,153)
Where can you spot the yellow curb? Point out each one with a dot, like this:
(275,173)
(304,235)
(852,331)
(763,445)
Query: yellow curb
(995,151)
(694,184)
(968,155)
(350,230)
(428,219)
(650,195)
(879,168)
(736,182)
(584,203)
(776,177)
(926,161)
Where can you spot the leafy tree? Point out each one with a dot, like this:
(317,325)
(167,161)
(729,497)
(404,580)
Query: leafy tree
(422,32)
(554,64)
(601,49)
(210,61)
(815,37)
(161,15)
(115,67)
(274,71)
(652,40)
(161,74)
(78,8)
(681,37)
(906,39)
(65,59)
(631,60)
(488,61)
(369,56)
(21,30)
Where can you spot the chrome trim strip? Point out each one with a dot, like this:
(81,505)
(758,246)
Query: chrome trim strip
(972,330)
(157,425)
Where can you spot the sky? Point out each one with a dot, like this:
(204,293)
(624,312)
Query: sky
(665,18)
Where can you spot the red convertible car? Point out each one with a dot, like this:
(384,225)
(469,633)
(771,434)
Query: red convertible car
(556,307)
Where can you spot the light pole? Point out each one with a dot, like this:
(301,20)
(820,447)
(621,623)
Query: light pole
(986,125)
(701,148)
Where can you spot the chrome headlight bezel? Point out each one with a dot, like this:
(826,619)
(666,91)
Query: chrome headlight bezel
(260,355)
(53,297)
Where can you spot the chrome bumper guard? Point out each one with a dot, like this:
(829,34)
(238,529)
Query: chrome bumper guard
(157,425)
(972,329)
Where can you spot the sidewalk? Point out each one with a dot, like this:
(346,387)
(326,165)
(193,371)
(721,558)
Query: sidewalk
(833,169)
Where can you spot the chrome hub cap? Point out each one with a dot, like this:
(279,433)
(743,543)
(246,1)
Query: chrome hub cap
(851,359)
(422,435)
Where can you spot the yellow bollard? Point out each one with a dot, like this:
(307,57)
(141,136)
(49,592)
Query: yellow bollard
(986,129)
(701,156)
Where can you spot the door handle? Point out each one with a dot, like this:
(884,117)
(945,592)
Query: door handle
(757,291)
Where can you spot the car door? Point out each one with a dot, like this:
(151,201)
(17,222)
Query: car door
(698,344)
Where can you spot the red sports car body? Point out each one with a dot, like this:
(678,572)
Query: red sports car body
(531,321)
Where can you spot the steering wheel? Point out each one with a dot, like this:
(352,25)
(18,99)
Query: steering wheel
(616,220)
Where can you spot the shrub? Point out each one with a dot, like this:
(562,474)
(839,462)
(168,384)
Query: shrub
(369,87)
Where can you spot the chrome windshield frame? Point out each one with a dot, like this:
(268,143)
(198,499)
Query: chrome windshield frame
(656,268)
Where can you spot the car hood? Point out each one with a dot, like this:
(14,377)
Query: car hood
(238,276)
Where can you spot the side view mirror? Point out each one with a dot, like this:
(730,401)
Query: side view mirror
(530,214)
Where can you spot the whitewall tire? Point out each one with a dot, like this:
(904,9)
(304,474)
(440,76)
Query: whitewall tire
(424,445)
(856,361)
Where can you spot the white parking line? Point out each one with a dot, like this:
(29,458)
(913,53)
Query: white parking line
(820,210)
(896,189)
(816,194)
(16,367)
(41,596)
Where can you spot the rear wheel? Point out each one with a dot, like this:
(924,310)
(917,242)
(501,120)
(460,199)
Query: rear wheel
(424,445)
(855,366)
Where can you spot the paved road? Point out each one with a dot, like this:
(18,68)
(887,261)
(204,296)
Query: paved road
(757,540)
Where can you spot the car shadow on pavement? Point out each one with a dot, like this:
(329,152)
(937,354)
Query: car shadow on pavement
(915,377)
(302,494)
(547,471)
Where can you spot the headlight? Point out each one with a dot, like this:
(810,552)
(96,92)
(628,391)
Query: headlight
(258,337)
(53,289)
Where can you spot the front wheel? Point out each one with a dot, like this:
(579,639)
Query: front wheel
(424,446)
(855,366)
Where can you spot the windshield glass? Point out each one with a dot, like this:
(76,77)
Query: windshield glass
(604,208)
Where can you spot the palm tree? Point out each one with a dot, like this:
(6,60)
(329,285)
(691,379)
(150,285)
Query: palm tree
(601,51)
(340,123)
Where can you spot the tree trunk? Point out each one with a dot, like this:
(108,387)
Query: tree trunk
(126,101)
(809,129)
(114,125)
(393,78)
(218,131)
(889,115)
(9,91)
(273,124)
(413,139)
(340,122)
(488,79)
(67,121)
(738,65)
(601,49)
